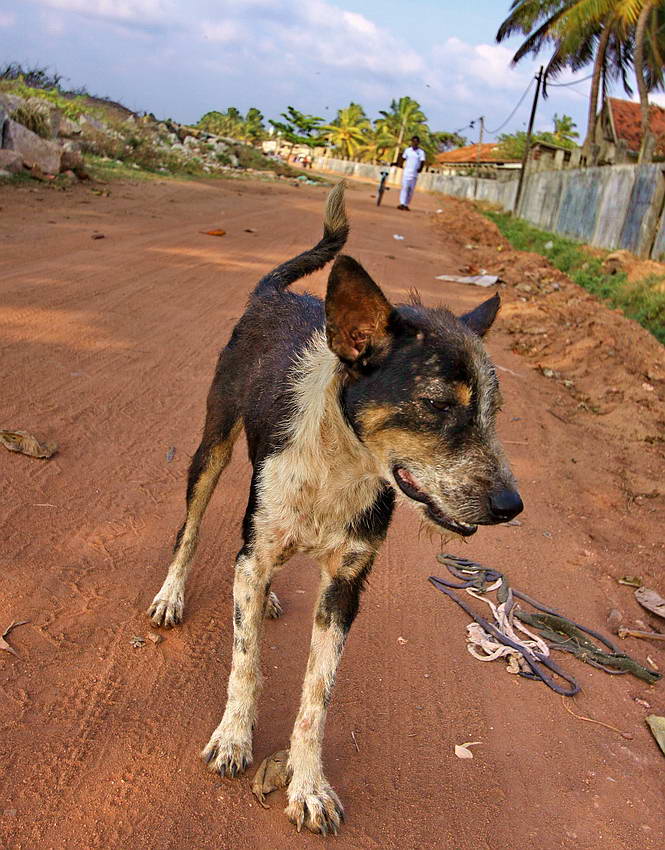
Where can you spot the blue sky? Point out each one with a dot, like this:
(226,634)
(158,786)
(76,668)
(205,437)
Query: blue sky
(180,58)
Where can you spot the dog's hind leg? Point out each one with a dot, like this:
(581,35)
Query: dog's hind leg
(209,460)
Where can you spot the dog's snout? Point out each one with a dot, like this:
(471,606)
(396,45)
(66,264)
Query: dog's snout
(505,504)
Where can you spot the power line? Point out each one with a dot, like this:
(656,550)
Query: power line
(571,83)
(519,103)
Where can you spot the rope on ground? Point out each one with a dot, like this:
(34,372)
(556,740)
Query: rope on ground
(507,636)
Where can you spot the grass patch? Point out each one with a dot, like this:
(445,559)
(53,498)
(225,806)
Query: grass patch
(642,300)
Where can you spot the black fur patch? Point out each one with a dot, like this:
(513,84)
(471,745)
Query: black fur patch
(341,599)
(372,524)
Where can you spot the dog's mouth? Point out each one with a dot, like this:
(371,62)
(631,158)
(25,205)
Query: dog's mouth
(411,488)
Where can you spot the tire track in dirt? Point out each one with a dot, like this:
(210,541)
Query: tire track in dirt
(117,342)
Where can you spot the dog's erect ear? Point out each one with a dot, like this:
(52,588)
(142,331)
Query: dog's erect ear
(482,318)
(357,313)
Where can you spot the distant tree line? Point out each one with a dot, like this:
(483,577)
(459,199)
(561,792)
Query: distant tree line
(351,135)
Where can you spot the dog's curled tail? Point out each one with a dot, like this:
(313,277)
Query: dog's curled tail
(335,234)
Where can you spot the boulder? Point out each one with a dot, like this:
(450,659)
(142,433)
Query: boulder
(11,161)
(33,149)
(71,159)
(68,128)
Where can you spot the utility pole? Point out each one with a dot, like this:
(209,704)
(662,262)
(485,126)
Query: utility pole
(480,139)
(518,196)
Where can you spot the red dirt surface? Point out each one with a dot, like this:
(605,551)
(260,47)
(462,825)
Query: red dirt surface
(108,346)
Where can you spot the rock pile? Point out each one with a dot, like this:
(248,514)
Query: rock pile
(36,135)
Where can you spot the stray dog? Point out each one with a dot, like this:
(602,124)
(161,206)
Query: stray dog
(345,404)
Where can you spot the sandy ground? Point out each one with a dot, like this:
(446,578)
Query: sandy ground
(108,347)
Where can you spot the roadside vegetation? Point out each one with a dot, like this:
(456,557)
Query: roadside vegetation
(111,137)
(642,300)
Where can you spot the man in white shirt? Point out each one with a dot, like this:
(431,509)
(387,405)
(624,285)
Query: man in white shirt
(414,162)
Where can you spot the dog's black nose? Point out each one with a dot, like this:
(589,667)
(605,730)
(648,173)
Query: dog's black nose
(505,504)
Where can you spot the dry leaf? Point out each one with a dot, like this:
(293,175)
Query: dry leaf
(402,640)
(218,232)
(631,581)
(657,726)
(137,642)
(651,600)
(155,638)
(3,643)
(27,444)
(271,775)
(462,751)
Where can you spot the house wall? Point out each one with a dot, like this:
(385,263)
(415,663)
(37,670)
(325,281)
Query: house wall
(610,207)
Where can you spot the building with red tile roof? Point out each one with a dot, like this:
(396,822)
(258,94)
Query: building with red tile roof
(486,154)
(618,131)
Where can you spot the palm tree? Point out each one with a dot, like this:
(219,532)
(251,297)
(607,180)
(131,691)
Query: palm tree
(649,51)
(606,32)
(348,132)
(403,120)
(580,31)
(377,145)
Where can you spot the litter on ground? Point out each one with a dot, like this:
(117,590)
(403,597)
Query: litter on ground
(474,280)
(511,634)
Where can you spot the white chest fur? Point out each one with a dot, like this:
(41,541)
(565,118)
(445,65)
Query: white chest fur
(311,492)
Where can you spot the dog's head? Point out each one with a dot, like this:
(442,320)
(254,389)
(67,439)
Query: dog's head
(422,395)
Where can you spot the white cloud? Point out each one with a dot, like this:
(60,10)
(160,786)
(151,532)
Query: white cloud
(315,54)
(143,12)
(7,19)
(471,64)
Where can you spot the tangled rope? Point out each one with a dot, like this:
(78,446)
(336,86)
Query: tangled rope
(507,636)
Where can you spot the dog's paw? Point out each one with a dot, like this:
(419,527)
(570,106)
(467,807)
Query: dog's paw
(167,611)
(226,757)
(273,607)
(320,812)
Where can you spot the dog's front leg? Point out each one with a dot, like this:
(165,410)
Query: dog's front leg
(312,801)
(229,750)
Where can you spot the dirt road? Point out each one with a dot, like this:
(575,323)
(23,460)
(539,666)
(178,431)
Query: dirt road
(108,346)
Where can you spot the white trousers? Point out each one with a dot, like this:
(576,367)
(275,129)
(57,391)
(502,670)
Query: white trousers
(408,188)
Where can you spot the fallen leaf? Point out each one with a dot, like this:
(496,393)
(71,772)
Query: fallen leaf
(155,638)
(218,232)
(631,581)
(642,702)
(651,600)
(98,236)
(402,640)
(137,642)
(170,454)
(271,775)
(3,643)
(27,444)
(250,230)
(657,726)
(462,751)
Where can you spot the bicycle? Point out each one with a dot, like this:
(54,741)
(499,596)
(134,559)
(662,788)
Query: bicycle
(382,187)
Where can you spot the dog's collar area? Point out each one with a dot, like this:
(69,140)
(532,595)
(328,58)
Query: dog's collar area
(408,484)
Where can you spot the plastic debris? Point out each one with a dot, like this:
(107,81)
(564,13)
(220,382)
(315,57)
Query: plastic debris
(473,280)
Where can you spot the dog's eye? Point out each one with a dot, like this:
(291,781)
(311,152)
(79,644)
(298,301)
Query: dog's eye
(437,404)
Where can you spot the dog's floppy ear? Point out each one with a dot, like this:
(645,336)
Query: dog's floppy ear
(481,319)
(357,313)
